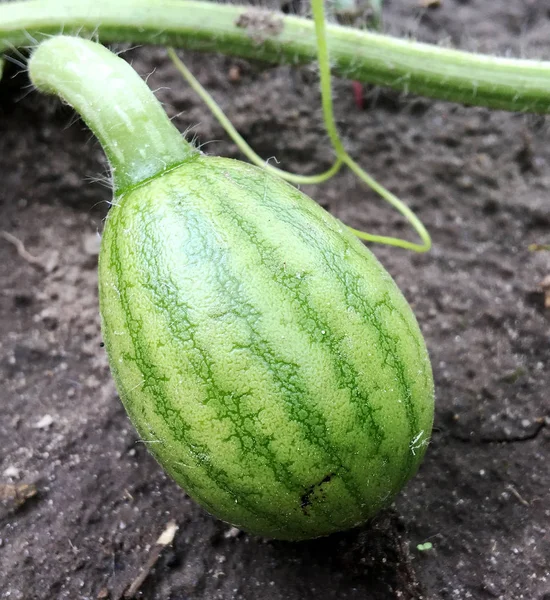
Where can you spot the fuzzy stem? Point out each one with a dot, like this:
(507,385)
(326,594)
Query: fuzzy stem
(135,132)
(501,83)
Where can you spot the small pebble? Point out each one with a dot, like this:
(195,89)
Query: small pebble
(12,472)
(233,532)
(91,243)
(44,423)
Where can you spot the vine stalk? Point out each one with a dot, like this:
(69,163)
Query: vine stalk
(500,83)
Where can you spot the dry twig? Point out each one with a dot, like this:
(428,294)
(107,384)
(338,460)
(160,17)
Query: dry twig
(20,247)
(164,540)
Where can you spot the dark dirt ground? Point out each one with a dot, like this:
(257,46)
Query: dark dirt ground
(480,180)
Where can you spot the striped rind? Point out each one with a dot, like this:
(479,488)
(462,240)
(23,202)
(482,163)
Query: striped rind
(266,357)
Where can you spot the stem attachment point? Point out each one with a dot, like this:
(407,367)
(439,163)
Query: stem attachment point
(136,134)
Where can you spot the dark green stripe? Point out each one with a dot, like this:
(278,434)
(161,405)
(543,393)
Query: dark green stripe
(200,244)
(300,222)
(203,246)
(388,343)
(311,322)
(153,383)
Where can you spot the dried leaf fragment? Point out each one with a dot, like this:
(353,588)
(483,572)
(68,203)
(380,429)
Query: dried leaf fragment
(234,74)
(14,495)
(260,24)
(545,285)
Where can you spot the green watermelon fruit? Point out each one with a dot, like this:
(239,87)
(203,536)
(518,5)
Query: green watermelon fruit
(271,363)
(267,359)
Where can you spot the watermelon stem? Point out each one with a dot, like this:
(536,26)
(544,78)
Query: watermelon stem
(137,136)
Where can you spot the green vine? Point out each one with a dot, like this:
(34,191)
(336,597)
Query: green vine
(342,157)
(405,65)
(237,138)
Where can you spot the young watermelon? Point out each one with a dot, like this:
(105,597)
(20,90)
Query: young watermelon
(268,360)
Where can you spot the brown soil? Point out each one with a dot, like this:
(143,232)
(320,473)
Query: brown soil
(480,180)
